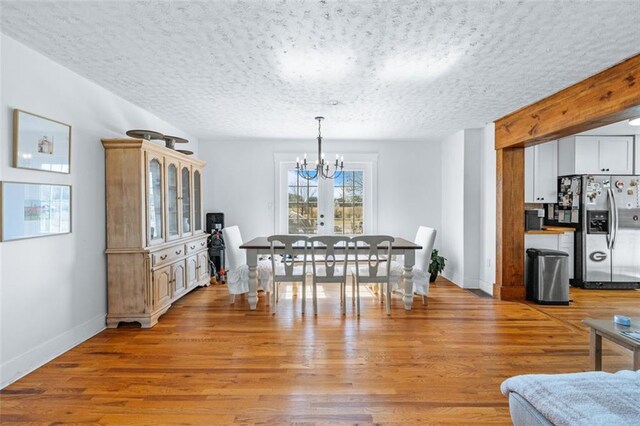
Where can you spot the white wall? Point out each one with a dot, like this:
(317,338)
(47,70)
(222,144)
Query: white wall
(452,233)
(472,203)
(54,288)
(461,202)
(239,181)
(487,259)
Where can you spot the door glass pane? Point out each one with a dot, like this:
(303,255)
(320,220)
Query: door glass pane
(186,201)
(302,203)
(155,200)
(348,207)
(172,199)
(197,213)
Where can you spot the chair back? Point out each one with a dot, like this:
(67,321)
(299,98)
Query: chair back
(236,257)
(425,237)
(285,246)
(323,256)
(376,249)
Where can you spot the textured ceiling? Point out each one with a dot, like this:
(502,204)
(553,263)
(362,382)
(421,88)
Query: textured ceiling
(264,69)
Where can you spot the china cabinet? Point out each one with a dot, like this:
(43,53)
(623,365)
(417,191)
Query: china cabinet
(156,244)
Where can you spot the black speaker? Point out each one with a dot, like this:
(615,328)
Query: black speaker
(215,221)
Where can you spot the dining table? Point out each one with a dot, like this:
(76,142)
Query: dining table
(260,246)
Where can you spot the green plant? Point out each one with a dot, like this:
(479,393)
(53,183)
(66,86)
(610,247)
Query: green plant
(437,263)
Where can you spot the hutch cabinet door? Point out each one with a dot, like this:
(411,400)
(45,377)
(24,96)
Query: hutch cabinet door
(161,287)
(155,207)
(203,266)
(186,198)
(192,271)
(173,230)
(179,281)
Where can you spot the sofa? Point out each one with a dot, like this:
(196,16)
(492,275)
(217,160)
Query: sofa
(576,399)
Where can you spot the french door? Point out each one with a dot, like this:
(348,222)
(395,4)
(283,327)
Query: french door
(343,205)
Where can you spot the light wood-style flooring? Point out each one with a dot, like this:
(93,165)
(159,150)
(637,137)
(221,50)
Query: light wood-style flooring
(210,363)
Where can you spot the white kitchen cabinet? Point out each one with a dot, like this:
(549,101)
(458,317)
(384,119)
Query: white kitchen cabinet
(595,155)
(541,173)
(563,242)
(636,143)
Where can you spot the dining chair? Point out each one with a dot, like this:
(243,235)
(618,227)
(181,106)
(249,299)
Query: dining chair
(237,268)
(425,237)
(284,249)
(372,266)
(328,266)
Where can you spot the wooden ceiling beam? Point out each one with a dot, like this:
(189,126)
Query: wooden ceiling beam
(605,98)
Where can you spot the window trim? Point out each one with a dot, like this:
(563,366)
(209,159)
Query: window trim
(368,162)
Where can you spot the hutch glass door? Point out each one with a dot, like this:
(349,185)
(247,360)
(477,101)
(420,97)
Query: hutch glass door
(155,231)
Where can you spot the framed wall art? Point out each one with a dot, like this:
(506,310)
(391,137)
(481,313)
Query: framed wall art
(32,210)
(40,143)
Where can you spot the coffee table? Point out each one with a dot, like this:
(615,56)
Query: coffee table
(611,331)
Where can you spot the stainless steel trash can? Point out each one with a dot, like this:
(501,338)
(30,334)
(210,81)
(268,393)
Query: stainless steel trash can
(547,280)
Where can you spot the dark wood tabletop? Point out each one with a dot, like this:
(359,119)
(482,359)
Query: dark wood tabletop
(398,244)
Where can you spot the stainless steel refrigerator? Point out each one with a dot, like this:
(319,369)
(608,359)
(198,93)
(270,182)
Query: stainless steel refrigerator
(608,250)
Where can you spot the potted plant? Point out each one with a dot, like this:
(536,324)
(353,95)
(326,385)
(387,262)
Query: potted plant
(436,265)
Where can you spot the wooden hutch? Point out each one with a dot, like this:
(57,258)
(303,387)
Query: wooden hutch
(156,244)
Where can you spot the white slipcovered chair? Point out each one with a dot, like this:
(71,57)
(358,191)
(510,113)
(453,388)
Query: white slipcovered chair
(425,237)
(237,268)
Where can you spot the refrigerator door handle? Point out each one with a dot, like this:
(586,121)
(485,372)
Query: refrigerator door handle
(615,218)
(610,234)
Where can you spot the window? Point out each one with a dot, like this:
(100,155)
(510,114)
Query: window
(344,205)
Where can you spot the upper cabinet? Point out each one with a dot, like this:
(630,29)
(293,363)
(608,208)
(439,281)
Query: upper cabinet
(170,195)
(596,155)
(541,173)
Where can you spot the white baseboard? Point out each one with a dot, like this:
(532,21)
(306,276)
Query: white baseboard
(486,287)
(471,283)
(454,278)
(23,364)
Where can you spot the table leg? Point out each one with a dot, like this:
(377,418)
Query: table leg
(407,278)
(636,359)
(595,351)
(252,262)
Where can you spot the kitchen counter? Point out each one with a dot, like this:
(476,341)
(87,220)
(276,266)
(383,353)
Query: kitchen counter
(552,230)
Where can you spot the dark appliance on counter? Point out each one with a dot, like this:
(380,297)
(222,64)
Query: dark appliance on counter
(533,220)
(606,213)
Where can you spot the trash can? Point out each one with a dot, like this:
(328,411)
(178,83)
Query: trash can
(547,281)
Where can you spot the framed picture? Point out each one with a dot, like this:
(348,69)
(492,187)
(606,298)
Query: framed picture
(32,210)
(40,143)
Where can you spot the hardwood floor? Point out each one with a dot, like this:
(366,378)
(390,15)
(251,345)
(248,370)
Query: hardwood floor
(210,363)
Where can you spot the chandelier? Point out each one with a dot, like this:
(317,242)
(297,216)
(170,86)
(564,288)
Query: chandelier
(322,168)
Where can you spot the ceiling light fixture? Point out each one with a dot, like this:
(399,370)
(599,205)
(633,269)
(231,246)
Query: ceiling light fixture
(322,169)
(635,121)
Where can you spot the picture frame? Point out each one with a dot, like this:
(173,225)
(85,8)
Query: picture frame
(40,143)
(30,210)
